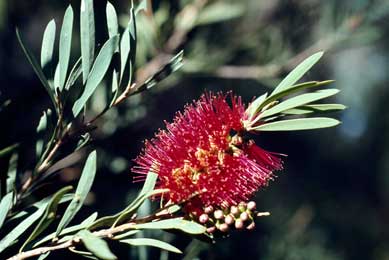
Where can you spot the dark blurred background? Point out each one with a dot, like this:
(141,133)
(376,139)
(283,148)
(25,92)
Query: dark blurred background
(332,199)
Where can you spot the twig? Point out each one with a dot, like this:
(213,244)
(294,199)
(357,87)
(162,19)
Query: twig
(104,233)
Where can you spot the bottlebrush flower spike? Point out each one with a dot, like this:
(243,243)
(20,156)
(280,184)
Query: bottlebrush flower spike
(204,152)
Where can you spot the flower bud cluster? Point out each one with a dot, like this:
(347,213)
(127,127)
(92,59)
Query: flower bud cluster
(223,220)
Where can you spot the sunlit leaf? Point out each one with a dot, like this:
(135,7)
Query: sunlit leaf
(297,73)
(298,124)
(69,230)
(5,206)
(97,73)
(47,49)
(87,34)
(112,20)
(21,228)
(174,64)
(151,242)
(65,44)
(293,89)
(297,101)
(48,216)
(38,70)
(186,226)
(96,245)
(83,188)
(12,171)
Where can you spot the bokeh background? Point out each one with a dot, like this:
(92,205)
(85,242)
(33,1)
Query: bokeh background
(332,199)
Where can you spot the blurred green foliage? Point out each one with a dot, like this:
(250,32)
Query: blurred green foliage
(330,202)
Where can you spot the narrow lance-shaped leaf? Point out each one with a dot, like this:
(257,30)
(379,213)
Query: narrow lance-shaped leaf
(254,106)
(37,68)
(65,42)
(43,130)
(297,73)
(293,89)
(47,50)
(49,215)
(142,6)
(74,74)
(112,20)
(174,64)
(147,188)
(69,230)
(96,245)
(297,101)
(12,171)
(97,73)
(189,227)
(298,124)
(133,42)
(21,228)
(124,51)
(314,108)
(151,242)
(87,34)
(5,206)
(83,188)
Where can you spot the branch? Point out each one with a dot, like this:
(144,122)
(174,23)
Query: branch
(328,42)
(104,233)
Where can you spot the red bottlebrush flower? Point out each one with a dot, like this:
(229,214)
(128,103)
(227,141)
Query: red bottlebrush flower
(203,152)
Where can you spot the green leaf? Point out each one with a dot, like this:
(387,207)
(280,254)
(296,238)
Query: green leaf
(47,49)
(297,101)
(96,245)
(298,124)
(125,47)
(294,89)
(151,242)
(127,212)
(189,227)
(12,171)
(126,234)
(69,230)
(21,228)
(175,63)
(314,108)
(297,73)
(142,6)
(83,188)
(49,215)
(219,12)
(97,73)
(65,44)
(147,188)
(112,20)
(74,74)
(42,130)
(133,42)
(38,70)
(87,34)
(5,206)
(44,256)
(254,106)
